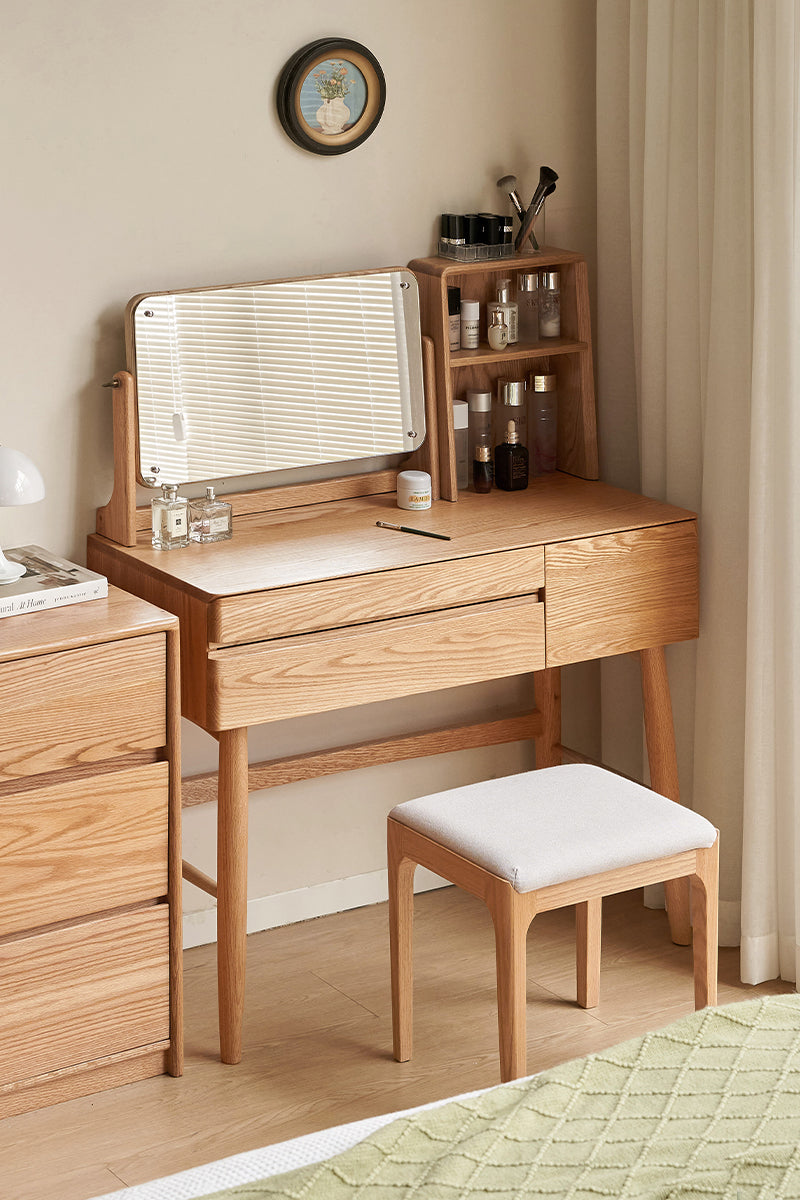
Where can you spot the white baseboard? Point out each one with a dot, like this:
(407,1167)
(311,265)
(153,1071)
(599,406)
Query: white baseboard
(268,912)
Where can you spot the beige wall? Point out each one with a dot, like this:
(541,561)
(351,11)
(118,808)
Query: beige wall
(140,150)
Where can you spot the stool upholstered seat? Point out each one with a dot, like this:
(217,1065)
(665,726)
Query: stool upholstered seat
(541,840)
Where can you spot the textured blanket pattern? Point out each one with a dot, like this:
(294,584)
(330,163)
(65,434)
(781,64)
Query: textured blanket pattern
(707,1107)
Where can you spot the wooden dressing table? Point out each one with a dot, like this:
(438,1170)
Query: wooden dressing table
(312,608)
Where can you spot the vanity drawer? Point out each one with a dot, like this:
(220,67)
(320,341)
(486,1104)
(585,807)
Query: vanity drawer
(620,592)
(96,842)
(385,594)
(321,672)
(82,706)
(78,993)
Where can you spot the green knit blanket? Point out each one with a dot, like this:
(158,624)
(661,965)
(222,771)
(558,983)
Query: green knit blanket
(707,1107)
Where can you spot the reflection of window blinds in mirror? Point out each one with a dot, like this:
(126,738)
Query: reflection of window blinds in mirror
(270,377)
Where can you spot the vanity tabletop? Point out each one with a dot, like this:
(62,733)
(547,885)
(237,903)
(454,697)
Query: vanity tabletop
(339,538)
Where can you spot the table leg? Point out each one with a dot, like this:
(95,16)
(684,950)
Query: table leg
(660,737)
(547,694)
(231,890)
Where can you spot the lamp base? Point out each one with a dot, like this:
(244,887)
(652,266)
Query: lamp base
(10,572)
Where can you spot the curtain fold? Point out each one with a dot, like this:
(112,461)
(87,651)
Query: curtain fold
(705,192)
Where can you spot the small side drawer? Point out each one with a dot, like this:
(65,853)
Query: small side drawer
(79,847)
(359,598)
(620,592)
(82,706)
(316,673)
(81,992)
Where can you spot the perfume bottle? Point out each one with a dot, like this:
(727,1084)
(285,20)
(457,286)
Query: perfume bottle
(508,307)
(482,466)
(210,519)
(497,333)
(511,462)
(170,519)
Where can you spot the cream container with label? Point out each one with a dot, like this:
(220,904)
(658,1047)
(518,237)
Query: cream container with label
(413,489)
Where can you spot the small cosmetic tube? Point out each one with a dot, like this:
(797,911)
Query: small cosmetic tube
(470,323)
(454,317)
(461,437)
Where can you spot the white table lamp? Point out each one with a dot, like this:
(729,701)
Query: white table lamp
(20,483)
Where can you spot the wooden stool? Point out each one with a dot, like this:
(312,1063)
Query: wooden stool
(541,840)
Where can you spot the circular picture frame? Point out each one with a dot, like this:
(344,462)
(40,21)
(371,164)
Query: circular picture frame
(331,95)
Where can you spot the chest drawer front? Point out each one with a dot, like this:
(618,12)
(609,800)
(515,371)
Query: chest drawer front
(74,848)
(386,594)
(321,672)
(82,706)
(79,993)
(620,592)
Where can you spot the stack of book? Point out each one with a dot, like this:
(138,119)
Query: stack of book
(48,582)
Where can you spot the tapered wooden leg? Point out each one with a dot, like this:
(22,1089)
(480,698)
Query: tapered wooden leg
(588,927)
(510,930)
(547,693)
(705,907)
(401,924)
(231,890)
(660,737)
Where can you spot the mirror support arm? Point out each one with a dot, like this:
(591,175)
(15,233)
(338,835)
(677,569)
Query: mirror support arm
(117,519)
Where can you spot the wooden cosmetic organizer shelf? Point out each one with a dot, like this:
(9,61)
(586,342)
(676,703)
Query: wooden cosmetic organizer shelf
(569,356)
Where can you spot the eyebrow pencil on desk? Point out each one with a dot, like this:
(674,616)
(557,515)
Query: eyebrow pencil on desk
(444,537)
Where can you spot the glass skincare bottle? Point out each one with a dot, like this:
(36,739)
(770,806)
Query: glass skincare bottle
(461,437)
(528,301)
(497,333)
(170,519)
(470,319)
(210,519)
(512,405)
(544,423)
(454,317)
(508,307)
(480,419)
(549,305)
(482,466)
(511,462)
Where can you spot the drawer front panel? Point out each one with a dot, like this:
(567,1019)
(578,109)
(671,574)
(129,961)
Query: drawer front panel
(82,706)
(78,847)
(322,672)
(78,993)
(620,592)
(386,594)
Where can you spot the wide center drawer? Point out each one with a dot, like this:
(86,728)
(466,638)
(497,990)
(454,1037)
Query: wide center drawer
(82,706)
(78,847)
(360,598)
(317,673)
(81,992)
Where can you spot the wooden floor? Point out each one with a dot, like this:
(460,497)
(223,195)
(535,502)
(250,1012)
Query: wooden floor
(318,1038)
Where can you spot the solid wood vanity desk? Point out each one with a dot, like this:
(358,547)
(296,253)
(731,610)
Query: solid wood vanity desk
(315,609)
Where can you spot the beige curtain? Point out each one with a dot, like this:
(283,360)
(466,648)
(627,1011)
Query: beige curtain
(686,360)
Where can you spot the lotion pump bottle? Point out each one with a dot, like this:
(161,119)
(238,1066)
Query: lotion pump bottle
(511,462)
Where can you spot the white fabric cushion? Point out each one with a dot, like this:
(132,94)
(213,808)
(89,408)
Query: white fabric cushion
(556,824)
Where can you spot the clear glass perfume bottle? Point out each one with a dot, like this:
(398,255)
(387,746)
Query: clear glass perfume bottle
(170,519)
(210,519)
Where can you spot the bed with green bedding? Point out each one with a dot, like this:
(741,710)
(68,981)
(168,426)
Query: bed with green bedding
(707,1107)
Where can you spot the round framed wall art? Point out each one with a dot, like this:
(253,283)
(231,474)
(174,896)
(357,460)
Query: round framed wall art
(331,95)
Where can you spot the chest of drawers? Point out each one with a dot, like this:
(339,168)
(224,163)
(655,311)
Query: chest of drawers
(90,967)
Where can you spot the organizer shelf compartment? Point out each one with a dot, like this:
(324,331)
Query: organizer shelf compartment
(568,356)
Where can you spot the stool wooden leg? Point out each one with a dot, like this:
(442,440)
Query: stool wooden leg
(705,905)
(511,920)
(660,737)
(401,923)
(588,925)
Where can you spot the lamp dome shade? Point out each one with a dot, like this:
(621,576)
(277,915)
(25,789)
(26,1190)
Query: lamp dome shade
(20,481)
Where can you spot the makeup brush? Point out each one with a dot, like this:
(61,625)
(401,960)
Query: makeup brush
(509,185)
(546,185)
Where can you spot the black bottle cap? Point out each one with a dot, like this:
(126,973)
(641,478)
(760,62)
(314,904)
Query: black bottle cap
(472,226)
(508,229)
(444,227)
(457,229)
(491,232)
(453,301)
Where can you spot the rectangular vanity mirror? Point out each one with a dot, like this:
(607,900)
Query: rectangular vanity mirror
(260,377)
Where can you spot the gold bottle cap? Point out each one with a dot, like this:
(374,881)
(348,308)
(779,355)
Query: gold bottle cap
(483,454)
(545,383)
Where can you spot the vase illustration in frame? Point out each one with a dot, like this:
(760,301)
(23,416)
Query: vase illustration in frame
(331,95)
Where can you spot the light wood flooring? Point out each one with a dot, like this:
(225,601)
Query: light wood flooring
(318,1038)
